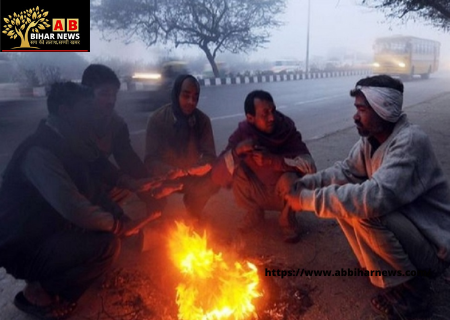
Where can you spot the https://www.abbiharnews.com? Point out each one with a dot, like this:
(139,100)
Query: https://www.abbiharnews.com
(343,273)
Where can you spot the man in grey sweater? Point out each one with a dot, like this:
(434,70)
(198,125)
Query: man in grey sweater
(390,197)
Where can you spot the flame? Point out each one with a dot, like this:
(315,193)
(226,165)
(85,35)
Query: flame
(213,287)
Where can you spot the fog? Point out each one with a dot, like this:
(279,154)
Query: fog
(335,26)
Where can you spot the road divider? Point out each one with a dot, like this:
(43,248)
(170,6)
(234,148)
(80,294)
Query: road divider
(281,77)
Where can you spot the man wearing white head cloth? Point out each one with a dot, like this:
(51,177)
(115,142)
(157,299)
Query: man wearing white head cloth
(391,199)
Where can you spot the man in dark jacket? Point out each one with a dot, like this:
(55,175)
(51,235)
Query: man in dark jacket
(180,145)
(111,131)
(112,137)
(59,231)
(265,154)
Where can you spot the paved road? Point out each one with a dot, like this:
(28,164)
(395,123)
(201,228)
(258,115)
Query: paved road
(318,106)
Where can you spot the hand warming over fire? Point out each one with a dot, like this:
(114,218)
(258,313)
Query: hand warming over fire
(244,146)
(127,227)
(199,170)
(262,157)
(138,185)
(143,185)
(166,189)
(176,173)
(293,196)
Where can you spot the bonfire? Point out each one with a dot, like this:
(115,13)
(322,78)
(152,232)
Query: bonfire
(214,285)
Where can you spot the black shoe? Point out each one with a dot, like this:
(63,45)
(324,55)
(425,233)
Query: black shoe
(55,311)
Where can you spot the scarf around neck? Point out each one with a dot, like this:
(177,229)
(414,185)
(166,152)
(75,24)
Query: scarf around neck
(285,138)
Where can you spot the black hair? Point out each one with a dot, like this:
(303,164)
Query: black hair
(68,93)
(96,75)
(383,81)
(249,104)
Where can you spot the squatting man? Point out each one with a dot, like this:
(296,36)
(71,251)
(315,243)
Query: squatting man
(389,196)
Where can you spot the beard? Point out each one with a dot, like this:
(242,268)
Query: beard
(362,132)
(367,131)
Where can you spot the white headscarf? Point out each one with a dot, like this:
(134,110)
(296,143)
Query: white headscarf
(386,102)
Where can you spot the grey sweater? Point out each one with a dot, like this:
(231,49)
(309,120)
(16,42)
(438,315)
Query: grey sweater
(403,175)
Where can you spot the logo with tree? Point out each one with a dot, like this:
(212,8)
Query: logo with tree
(19,25)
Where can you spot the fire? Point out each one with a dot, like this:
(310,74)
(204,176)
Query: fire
(213,287)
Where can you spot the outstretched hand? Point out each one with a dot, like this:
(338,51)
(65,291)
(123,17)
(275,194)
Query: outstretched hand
(131,227)
(166,189)
(200,170)
(263,157)
(175,174)
(245,146)
(138,185)
(147,184)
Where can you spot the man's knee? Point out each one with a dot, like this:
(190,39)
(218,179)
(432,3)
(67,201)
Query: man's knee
(240,175)
(394,219)
(397,223)
(241,180)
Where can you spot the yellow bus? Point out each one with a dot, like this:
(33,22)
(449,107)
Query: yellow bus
(406,56)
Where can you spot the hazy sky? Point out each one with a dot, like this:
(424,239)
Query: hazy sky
(334,23)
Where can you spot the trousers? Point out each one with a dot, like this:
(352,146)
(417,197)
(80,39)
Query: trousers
(391,242)
(68,262)
(252,195)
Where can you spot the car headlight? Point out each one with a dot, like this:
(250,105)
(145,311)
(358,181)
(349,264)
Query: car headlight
(148,76)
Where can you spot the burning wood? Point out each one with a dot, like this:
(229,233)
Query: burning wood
(214,286)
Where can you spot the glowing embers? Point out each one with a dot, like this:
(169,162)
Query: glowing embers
(213,286)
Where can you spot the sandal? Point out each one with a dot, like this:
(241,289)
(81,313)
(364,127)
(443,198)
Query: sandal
(400,303)
(382,306)
(55,311)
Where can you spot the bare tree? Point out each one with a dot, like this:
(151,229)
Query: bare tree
(211,25)
(436,12)
(31,19)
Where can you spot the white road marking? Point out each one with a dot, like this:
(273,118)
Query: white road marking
(320,99)
(228,116)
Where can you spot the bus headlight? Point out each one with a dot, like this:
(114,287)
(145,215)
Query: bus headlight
(376,64)
(401,65)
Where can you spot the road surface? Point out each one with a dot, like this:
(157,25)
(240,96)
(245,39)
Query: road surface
(318,107)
